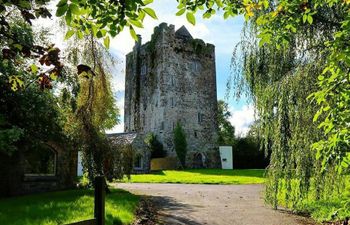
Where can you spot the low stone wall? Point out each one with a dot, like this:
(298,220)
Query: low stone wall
(14,181)
(167,163)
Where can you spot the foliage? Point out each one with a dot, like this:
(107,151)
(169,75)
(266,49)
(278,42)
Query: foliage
(105,19)
(278,70)
(19,48)
(94,105)
(201,176)
(330,209)
(180,144)
(29,116)
(226,130)
(248,155)
(66,207)
(119,161)
(155,146)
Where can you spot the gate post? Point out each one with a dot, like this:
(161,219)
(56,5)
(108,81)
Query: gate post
(100,200)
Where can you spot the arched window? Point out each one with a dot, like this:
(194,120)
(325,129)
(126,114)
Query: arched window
(40,161)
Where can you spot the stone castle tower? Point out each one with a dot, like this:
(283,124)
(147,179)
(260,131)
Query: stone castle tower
(172,79)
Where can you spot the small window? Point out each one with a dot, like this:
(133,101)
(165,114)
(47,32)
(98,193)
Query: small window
(138,162)
(195,134)
(143,70)
(40,161)
(162,125)
(200,117)
(172,102)
(172,81)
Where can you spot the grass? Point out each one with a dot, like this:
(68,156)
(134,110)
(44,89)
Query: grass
(201,176)
(66,207)
(329,208)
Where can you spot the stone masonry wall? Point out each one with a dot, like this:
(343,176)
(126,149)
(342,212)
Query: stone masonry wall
(172,79)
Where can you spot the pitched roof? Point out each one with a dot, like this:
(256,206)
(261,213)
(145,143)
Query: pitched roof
(182,32)
(122,138)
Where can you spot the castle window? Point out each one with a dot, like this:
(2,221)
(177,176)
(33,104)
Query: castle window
(172,81)
(195,66)
(143,70)
(195,134)
(138,162)
(162,126)
(172,102)
(200,117)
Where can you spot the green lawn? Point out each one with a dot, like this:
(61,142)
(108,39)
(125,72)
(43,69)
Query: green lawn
(66,207)
(320,210)
(201,176)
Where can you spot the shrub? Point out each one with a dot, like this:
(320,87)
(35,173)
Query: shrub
(155,146)
(180,144)
(248,155)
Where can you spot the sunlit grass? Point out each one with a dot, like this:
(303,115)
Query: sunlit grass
(201,176)
(66,207)
(329,208)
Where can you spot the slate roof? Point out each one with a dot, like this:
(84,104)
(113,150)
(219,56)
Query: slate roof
(122,138)
(183,33)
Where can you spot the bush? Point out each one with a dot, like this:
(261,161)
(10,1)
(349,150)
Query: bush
(247,154)
(155,146)
(180,144)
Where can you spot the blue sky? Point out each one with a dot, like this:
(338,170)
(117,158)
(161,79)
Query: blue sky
(224,34)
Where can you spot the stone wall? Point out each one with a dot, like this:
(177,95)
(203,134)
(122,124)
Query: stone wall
(14,181)
(172,79)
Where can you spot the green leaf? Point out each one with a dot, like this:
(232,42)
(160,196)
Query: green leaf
(207,15)
(136,23)
(34,68)
(309,19)
(304,18)
(69,34)
(181,11)
(226,15)
(106,41)
(61,10)
(146,2)
(15,82)
(68,17)
(18,46)
(74,9)
(79,34)
(190,18)
(133,33)
(219,3)
(61,3)
(150,12)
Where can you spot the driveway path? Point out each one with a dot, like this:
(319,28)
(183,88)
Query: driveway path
(194,204)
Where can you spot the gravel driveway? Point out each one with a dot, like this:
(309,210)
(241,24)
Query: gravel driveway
(195,204)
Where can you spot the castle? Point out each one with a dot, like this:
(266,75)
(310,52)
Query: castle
(172,79)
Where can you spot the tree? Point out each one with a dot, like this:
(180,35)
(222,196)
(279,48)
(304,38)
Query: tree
(155,146)
(226,130)
(94,109)
(280,25)
(30,116)
(279,81)
(180,144)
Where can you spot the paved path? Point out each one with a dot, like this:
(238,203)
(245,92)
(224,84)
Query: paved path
(213,204)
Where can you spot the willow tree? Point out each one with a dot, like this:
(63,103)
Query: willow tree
(92,105)
(279,81)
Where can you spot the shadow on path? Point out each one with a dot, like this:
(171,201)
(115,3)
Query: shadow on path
(166,204)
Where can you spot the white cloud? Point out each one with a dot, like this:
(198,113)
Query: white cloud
(117,129)
(241,119)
